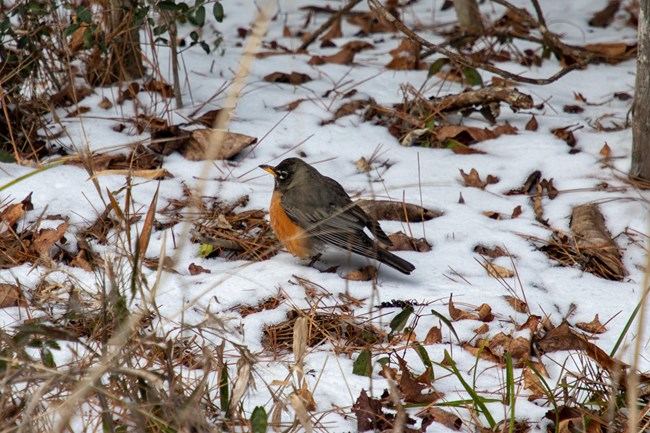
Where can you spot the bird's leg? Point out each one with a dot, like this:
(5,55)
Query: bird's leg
(314,259)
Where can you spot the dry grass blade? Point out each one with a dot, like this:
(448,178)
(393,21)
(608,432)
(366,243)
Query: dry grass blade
(147,228)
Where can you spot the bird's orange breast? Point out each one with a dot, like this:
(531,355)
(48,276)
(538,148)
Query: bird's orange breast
(293,237)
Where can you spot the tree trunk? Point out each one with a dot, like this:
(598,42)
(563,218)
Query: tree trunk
(641,122)
(469,18)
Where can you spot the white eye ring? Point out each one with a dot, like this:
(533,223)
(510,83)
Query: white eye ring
(282,175)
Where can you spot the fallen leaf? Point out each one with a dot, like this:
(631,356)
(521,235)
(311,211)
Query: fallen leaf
(343,57)
(334,31)
(516,212)
(605,16)
(204,144)
(485,313)
(572,109)
(473,179)
(367,273)
(492,252)
(594,327)
(46,238)
(388,210)
(500,344)
(434,336)
(534,384)
(405,57)
(197,269)
(605,151)
(483,352)
(165,89)
(370,415)
(517,304)
(457,314)
(402,242)
(532,124)
(11,296)
(497,271)
(105,103)
(532,323)
(447,419)
(295,78)
(482,329)
(416,389)
(595,243)
(565,134)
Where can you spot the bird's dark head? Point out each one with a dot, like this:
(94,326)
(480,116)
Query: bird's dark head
(287,172)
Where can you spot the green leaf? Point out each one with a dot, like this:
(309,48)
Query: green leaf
(6,156)
(472,76)
(217,11)
(205,250)
(84,15)
(194,36)
(437,66)
(199,16)
(205,47)
(423,354)
(70,29)
(168,5)
(446,322)
(259,420)
(363,364)
(47,358)
(399,321)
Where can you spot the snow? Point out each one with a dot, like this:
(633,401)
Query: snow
(429,177)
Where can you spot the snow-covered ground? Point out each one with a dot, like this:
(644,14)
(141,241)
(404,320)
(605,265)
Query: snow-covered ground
(425,176)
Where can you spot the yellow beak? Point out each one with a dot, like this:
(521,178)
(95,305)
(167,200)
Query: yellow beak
(268,168)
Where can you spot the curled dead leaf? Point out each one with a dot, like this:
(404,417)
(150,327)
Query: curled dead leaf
(295,78)
(594,327)
(402,242)
(473,179)
(457,314)
(434,336)
(485,313)
(46,238)
(517,304)
(389,210)
(214,144)
(497,271)
(367,273)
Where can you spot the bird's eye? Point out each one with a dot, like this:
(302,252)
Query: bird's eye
(282,175)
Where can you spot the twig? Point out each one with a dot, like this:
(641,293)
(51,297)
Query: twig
(464,60)
(483,96)
(327,24)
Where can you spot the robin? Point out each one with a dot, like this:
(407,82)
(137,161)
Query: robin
(309,209)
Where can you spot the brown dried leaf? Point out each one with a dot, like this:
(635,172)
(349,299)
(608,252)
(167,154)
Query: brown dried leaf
(492,252)
(594,327)
(334,32)
(497,271)
(434,336)
(165,90)
(202,144)
(435,414)
(46,238)
(473,179)
(367,273)
(371,23)
(572,109)
(105,103)
(485,353)
(343,57)
(403,242)
(604,17)
(291,105)
(532,323)
(457,314)
(416,389)
(516,212)
(595,242)
(534,384)
(370,415)
(295,78)
(130,92)
(81,109)
(605,151)
(517,347)
(11,296)
(532,124)
(14,212)
(388,210)
(482,329)
(517,304)
(565,134)
(405,57)
(485,313)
